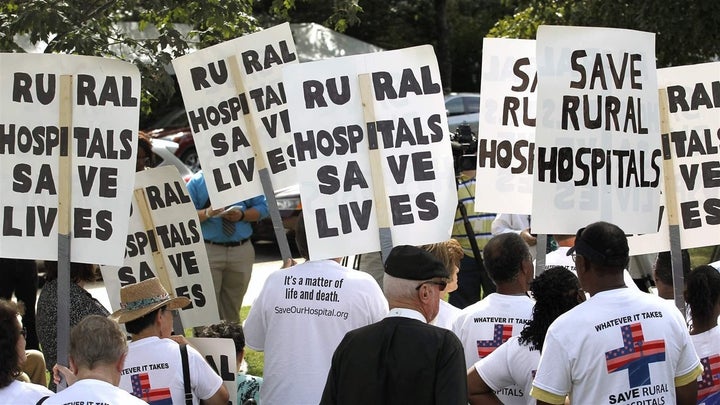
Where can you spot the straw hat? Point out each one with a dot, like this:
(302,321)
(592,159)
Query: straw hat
(144,297)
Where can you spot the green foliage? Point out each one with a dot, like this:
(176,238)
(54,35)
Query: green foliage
(255,360)
(686,30)
(95,27)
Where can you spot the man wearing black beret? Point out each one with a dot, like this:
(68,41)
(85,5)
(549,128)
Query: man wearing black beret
(402,359)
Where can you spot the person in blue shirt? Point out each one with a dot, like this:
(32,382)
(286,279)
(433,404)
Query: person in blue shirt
(227,231)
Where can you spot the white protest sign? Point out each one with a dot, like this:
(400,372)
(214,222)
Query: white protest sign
(694,144)
(506,139)
(598,153)
(105,103)
(224,117)
(332,143)
(220,354)
(174,242)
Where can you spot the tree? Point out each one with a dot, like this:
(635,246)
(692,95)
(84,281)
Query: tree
(686,30)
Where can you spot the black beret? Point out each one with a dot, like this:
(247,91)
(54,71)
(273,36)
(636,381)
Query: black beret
(413,263)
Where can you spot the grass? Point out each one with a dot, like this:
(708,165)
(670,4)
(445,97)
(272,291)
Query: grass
(700,256)
(255,360)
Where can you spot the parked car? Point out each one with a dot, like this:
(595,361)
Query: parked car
(289,205)
(174,126)
(463,108)
(164,152)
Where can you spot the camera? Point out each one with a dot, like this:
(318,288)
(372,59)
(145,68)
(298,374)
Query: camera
(464,144)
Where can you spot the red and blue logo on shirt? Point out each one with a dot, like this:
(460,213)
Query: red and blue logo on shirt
(635,355)
(501,333)
(709,385)
(153,396)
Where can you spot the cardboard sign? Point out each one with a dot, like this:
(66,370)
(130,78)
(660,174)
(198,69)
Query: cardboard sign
(233,94)
(101,105)
(411,183)
(506,138)
(220,354)
(167,243)
(694,145)
(598,151)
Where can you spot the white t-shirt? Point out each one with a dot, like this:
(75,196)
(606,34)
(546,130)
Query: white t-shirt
(153,372)
(707,346)
(620,346)
(298,319)
(90,391)
(484,325)
(19,392)
(511,364)
(446,315)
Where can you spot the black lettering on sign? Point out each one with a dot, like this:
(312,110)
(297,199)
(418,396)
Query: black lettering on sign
(106,181)
(23,88)
(218,73)
(110,93)
(384,87)
(240,170)
(677,97)
(224,369)
(253,62)
(186,258)
(171,194)
(314,92)
(22,180)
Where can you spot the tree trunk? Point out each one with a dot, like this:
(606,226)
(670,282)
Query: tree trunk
(443,45)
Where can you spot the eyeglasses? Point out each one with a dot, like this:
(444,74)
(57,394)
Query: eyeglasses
(442,284)
(574,256)
(23,332)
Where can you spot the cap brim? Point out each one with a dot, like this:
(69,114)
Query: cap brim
(570,251)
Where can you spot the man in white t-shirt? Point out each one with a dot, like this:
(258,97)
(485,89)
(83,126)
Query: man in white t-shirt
(97,353)
(300,316)
(153,368)
(621,345)
(485,325)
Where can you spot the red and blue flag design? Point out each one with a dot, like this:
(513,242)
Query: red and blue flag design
(153,396)
(501,333)
(709,385)
(635,355)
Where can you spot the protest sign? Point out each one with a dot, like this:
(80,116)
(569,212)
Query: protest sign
(225,119)
(166,244)
(693,144)
(334,137)
(100,128)
(506,139)
(220,355)
(598,154)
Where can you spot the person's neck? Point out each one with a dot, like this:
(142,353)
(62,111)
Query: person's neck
(699,326)
(102,373)
(145,333)
(403,304)
(510,289)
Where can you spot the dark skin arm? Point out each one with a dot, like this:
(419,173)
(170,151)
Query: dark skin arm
(686,394)
(478,391)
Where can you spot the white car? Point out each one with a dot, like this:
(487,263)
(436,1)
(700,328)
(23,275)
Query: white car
(165,155)
(463,108)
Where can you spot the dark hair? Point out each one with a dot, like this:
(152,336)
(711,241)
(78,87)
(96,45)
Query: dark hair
(301,237)
(78,271)
(9,335)
(604,245)
(504,255)
(138,325)
(555,292)
(145,144)
(225,329)
(702,292)
(663,266)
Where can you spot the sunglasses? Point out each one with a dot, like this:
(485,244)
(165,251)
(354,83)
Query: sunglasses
(23,332)
(442,284)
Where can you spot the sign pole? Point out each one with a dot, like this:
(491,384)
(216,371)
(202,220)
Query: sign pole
(671,203)
(380,196)
(265,180)
(64,218)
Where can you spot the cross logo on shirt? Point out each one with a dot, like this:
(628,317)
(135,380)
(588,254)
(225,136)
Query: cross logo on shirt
(153,396)
(635,355)
(501,333)
(710,383)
